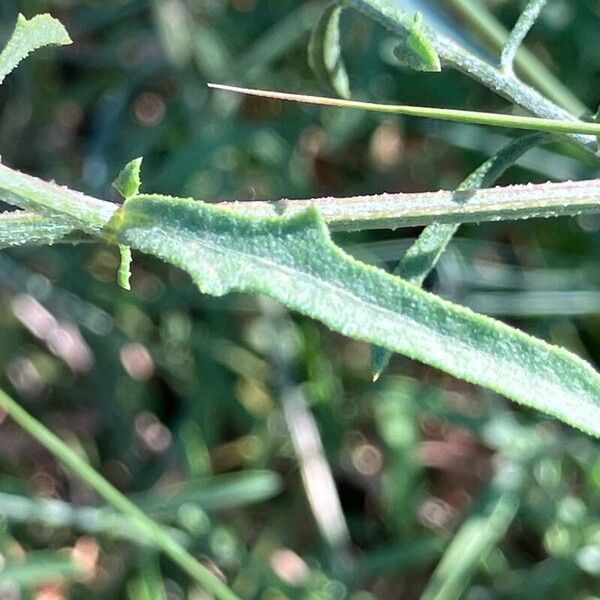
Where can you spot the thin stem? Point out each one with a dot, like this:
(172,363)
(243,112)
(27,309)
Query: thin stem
(526,62)
(442,114)
(19,228)
(524,23)
(151,530)
(390,211)
(454,55)
(49,199)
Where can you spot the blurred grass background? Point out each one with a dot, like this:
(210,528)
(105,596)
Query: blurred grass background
(257,436)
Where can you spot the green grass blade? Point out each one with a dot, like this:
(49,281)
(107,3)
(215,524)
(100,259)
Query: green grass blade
(471,544)
(154,532)
(29,35)
(294,261)
(443,114)
(99,521)
(39,567)
(215,493)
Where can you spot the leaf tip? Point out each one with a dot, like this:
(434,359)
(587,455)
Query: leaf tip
(380,358)
(55,31)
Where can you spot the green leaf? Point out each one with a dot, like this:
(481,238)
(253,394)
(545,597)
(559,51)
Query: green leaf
(39,567)
(417,51)
(477,536)
(124,272)
(324,51)
(214,493)
(421,258)
(294,261)
(127,184)
(128,181)
(29,35)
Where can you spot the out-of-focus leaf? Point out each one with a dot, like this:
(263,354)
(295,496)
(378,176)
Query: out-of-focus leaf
(29,35)
(396,410)
(416,51)
(399,557)
(479,533)
(149,584)
(325,53)
(39,567)
(220,491)
(294,261)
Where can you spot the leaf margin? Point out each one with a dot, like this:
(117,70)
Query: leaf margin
(555,381)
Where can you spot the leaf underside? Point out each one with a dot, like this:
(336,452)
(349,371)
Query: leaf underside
(294,261)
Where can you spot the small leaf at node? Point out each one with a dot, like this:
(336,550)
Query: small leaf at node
(416,51)
(128,182)
(128,185)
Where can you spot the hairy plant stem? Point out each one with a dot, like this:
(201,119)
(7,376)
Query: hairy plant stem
(151,530)
(493,32)
(453,55)
(377,211)
(390,211)
(49,199)
(525,22)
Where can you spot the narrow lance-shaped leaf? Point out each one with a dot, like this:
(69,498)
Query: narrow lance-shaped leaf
(416,51)
(475,539)
(424,254)
(38,567)
(294,261)
(29,35)
(325,53)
